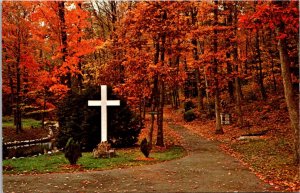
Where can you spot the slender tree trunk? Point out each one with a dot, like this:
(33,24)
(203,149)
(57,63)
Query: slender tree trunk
(237,84)
(201,50)
(12,91)
(154,94)
(160,110)
(63,36)
(176,89)
(199,91)
(79,76)
(230,82)
(160,116)
(219,129)
(18,113)
(151,127)
(198,80)
(239,111)
(260,76)
(194,12)
(153,108)
(273,74)
(290,97)
(144,108)
(229,65)
(140,112)
(44,108)
(246,54)
(207,94)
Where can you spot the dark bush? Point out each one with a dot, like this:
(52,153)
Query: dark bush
(72,151)
(252,96)
(188,105)
(4,151)
(189,116)
(83,123)
(145,147)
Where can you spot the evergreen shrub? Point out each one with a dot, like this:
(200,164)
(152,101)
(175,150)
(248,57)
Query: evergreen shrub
(83,122)
(188,105)
(72,151)
(189,115)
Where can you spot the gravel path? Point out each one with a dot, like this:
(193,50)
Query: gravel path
(205,169)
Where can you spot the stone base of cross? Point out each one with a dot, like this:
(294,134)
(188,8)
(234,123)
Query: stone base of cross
(103,150)
(103,103)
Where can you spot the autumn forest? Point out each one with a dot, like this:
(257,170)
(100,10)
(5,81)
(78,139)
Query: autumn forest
(195,61)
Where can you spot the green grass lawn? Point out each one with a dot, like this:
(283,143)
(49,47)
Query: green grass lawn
(58,163)
(26,123)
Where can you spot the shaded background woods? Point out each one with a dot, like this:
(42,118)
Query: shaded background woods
(222,55)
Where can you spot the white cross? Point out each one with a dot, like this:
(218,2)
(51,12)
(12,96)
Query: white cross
(103,103)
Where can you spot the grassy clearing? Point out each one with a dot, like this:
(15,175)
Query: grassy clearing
(26,123)
(58,163)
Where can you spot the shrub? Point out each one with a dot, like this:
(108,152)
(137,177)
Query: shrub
(72,151)
(83,123)
(188,105)
(145,147)
(189,116)
(4,151)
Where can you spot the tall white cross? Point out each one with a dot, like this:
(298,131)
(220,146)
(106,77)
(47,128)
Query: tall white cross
(103,103)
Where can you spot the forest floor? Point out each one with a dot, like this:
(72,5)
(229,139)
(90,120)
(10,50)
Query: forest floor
(269,156)
(32,129)
(205,168)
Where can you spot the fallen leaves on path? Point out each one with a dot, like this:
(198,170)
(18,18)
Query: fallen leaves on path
(72,168)
(269,156)
(145,159)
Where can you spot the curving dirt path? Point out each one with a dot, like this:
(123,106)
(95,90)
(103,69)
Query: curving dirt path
(205,169)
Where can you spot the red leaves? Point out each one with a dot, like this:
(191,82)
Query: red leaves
(281,36)
(59,90)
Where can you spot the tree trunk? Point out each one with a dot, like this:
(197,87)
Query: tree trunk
(237,84)
(240,120)
(12,91)
(140,112)
(153,108)
(198,80)
(144,108)
(219,129)
(63,36)
(153,99)
(260,76)
(160,109)
(194,12)
(207,94)
(230,82)
(151,128)
(18,113)
(44,108)
(199,91)
(79,76)
(160,116)
(246,54)
(290,98)
(273,74)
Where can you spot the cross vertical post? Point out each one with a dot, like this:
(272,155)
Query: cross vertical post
(104,103)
